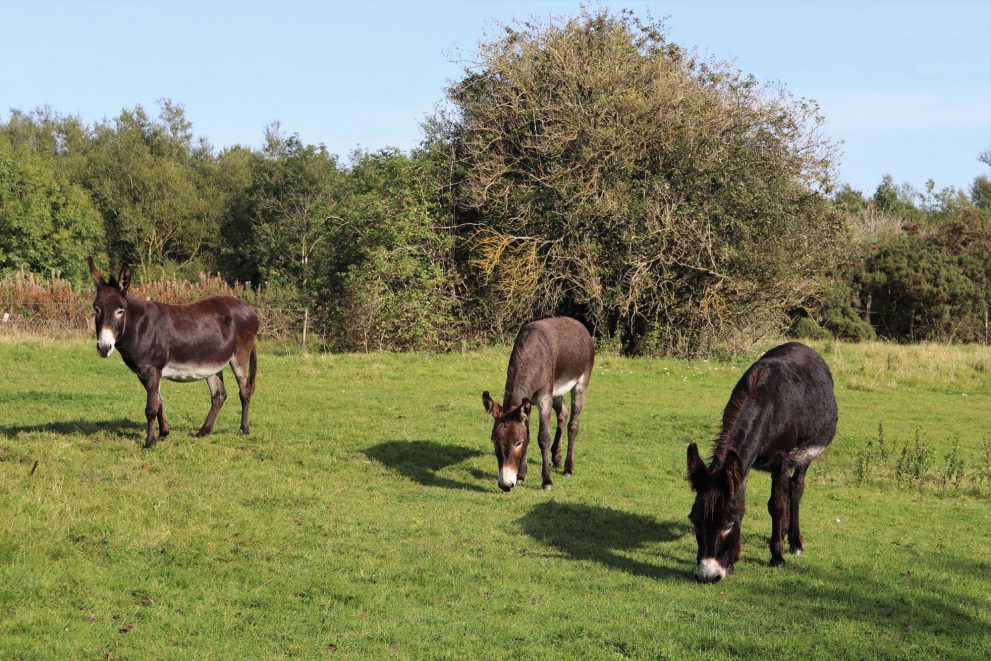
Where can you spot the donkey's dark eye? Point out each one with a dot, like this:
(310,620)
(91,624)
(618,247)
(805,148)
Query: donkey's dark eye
(727,530)
(119,312)
(518,444)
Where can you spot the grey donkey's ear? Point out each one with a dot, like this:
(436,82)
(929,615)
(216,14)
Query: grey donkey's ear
(95,273)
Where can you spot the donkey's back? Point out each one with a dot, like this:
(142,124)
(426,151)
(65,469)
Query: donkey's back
(549,356)
(790,390)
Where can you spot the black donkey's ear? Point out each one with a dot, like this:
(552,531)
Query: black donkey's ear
(697,472)
(124,279)
(94,273)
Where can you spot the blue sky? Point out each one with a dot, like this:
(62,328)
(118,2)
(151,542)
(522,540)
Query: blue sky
(906,86)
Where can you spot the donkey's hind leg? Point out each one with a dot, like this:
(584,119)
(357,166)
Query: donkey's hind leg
(217,396)
(562,420)
(577,402)
(796,489)
(244,364)
(163,424)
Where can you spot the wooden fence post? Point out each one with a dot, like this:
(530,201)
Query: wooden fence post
(306,321)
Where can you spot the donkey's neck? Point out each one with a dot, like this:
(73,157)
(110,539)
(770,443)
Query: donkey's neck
(136,310)
(745,434)
(520,385)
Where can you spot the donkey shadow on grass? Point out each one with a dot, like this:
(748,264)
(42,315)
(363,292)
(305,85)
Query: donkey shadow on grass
(120,426)
(421,461)
(905,615)
(602,534)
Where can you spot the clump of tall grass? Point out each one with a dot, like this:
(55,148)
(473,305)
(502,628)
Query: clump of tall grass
(915,464)
(882,366)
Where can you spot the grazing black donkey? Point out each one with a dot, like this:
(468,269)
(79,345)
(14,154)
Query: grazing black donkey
(177,342)
(781,415)
(550,357)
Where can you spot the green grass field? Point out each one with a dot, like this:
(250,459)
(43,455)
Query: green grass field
(362,518)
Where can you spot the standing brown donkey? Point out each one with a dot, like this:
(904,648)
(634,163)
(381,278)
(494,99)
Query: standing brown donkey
(550,357)
(177,342)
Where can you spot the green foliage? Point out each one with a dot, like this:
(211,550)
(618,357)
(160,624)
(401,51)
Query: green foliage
(286,215)
(47,223)
(397,282)
(145,176)
(918,267)
(980,192)
(807,329)
(933,285)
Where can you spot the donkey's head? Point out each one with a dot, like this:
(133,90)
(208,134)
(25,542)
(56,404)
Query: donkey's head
(110,307)
(509,438)
(717,512)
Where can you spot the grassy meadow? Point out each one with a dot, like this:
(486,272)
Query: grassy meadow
(361,518)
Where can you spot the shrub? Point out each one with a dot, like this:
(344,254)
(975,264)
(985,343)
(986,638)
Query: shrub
(601,169)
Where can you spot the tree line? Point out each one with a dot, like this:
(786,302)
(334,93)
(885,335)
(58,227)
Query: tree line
(586,166)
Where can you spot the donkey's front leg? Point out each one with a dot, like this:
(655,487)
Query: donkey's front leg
(154,404)
(545,406)
(521,474)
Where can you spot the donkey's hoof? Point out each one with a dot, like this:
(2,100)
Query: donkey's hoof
(798,553)
(202,432)
(567,473)
(777,562)
(244,430)
(548,486)
(150,443)
(163,433)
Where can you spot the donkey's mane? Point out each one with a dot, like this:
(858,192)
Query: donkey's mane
(732,415)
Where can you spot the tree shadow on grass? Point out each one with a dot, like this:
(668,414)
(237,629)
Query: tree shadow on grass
(585,532)
(421,460)
(120,426)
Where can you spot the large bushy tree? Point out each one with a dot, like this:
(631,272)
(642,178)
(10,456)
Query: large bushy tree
(47,223)
(146,176)
(603,170)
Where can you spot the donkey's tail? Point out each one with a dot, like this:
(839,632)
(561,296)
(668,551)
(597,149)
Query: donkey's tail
(252,368)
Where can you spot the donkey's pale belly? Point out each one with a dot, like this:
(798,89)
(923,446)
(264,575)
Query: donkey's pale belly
(189,371)
(565,387)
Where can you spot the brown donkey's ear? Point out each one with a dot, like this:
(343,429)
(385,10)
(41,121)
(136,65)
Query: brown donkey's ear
(124,279)
(95,273)
(733,471)
(522,412)
(697,472)
(491,406)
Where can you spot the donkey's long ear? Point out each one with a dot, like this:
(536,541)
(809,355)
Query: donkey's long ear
(124,279)
(95,273)
(522,411)
(697,472)
(491,406)
(733,471)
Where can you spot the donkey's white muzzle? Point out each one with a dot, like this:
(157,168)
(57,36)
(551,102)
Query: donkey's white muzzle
(710,571)
(507,478)
(105,342)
